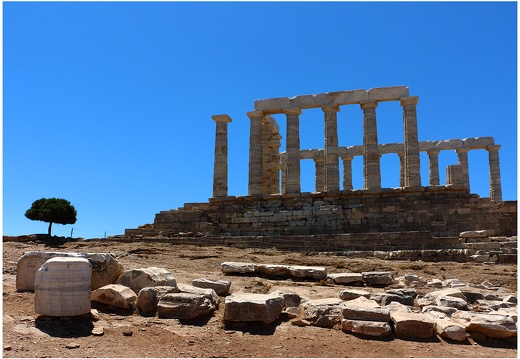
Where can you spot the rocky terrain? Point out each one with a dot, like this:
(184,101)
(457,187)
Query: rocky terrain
(118,332)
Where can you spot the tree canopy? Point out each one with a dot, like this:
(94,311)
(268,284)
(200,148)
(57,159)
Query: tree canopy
(52,210)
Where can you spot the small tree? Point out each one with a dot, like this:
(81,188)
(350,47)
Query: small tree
(52,210)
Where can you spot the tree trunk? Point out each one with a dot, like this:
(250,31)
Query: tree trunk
(50,227)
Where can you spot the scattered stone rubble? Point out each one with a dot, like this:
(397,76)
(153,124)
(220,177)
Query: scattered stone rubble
(450,309)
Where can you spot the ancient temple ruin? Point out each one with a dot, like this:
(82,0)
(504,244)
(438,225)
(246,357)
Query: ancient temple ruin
(276,207)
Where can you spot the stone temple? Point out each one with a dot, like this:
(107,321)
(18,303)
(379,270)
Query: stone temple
(336,216)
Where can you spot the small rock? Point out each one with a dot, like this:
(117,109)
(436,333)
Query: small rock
(128,332)
(98,331)
(7,347)
(72,346)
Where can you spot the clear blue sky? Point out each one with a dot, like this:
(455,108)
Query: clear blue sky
(109,105)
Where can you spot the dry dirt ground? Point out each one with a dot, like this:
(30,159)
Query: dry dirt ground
(26,334)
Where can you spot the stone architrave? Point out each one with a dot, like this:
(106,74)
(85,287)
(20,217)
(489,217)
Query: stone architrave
(255,153)
(433,156)
(495,186)
(221,287)
(184,306)
(347,172)
(292,182)
(320,173)
(247,307)
(462,153)
(412,325)
(364,327)
(371,165)
(331,148)
(412,168)
(220,170)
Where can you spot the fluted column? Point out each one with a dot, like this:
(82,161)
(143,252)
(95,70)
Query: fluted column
(275,163)
(255,153)
(292,183)
(371,168)
(347,172)
(319,163)
(331,148)
(495,186)
(220,168)
(283,164)
(401,168)
(463,161)
(433,156)
(412,169)
(266,156)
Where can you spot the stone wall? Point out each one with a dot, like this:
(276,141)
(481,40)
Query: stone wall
(443,211)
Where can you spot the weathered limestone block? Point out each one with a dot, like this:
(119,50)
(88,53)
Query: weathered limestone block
(450,292)
(324,312)
(246,307)
(378,278)
(373,329)
(105,269)
(148,298)
(398,307)
(387,298)
(473,234)
(434,283)
(510,312)
(206,292)
(137,279)
(221,287)
(291,299)
(478,142)
(436,310)
(345,278)
(448,328)
(184,306)
(349,294)
(308,272)
(471,295)
(116,295)
(273,270)
(412,325)
(454,302)
(391,93)
(492,325)
(414,279)
(238,268)
(365,310)
(348,97)
(494,304)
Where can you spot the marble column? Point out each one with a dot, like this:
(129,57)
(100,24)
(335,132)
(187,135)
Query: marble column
(292,182)
(275,163)
(220,169)
(371,166)
(283,164)
(331,148)
(463,161)
(266,156)
(401,168)
(412,169)
(347,172)
(495,186)
(319,163)
(433,156)
(255,153)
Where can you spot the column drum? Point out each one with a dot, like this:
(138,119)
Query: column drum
(62,287)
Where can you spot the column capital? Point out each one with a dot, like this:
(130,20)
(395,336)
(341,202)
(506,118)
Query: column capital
(433,152)
(293,111)
(493,147)
(330,108)
(411,100)
(368,104)
(347,158)
(221,118)
(255,115)
(318,159)
(462,150)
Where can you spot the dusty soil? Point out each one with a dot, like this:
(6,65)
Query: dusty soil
(26,334)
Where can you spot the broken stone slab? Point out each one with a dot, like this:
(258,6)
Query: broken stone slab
(116,295)
(398,307)
(449,329)
(251,307)
(184,306)
(137,279)
(449,292)
(148,298)
(345,278)
(454,302)
(308,272)
(436,310)
(364,310)
(364,327)
(471,295)
(325,312)
(510,312)
(412,325)
(434,283)
(206,292)
(221,287)
(349,294)
(237,268)
(291,299)
(473,234)
(378,278)
(105,268)
(492,325)
(494,304)
(413,280)
(273,270)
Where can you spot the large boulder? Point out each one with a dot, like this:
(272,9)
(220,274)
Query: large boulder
(184,306)
(148,298)
(492,325)
(137,279)
(250,307)
(378,278)
(324,312)
(373,329)
(412,325)
(116,295)
(221,287)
